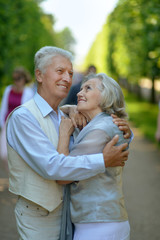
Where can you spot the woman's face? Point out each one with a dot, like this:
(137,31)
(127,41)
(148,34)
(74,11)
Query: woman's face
(89,98)
(19,80)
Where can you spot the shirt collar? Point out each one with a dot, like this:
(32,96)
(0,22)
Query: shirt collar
(43,106)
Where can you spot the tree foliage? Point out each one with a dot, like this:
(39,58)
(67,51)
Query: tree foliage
(97,53)
(132,47)
(24,28)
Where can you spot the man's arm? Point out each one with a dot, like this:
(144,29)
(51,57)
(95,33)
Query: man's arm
(26,137)
(80,121)
(94,142)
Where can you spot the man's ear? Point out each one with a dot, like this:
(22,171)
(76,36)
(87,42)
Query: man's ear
(38,74)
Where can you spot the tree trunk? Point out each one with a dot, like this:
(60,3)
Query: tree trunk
(152,99)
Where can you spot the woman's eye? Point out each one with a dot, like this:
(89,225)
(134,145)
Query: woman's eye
(88,87)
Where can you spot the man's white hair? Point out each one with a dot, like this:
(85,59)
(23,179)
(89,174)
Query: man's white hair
(44,55)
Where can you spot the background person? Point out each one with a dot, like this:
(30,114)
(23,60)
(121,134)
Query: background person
(34,163)
(14,95)
(97,204)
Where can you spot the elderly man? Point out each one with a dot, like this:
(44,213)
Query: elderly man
(34,163)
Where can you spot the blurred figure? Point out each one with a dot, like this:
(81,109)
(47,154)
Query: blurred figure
(72,96)
(91,69)
(14,95)
(158,126)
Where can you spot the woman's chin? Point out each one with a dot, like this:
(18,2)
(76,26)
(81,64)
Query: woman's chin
(81,110)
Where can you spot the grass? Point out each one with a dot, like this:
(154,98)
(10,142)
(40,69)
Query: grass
(143,115)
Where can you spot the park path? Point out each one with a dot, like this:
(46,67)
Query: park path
(141,188)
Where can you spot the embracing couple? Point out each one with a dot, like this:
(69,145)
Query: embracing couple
(68,162)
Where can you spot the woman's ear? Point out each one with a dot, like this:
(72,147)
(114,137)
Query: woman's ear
(38,74)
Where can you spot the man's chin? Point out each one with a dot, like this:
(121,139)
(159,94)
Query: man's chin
(63,95)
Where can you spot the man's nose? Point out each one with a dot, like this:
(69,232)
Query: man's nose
(67,77)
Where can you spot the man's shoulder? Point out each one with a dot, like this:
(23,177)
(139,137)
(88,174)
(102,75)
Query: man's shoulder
(20,111)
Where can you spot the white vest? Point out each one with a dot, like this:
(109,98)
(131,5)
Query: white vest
(23,180)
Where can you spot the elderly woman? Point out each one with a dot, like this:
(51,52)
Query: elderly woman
(97,204)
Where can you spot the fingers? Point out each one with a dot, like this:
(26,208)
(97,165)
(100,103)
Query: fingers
(125,155)
(123,146)
(126,135)
(124,127)
(113,141)
(114,116)
(123,158)
(79,121)
(122,164)
(84,122)
(74,122)
(120,122)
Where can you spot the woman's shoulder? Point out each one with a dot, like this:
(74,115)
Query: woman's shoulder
(104,120)
(8,88)
(105,123)
(7,91)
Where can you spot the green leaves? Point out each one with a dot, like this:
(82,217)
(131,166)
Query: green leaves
(24,28)
(132,48)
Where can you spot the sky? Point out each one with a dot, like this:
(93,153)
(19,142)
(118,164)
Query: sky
(85,19)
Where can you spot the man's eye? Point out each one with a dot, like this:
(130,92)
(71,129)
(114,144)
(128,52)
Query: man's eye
(71,74)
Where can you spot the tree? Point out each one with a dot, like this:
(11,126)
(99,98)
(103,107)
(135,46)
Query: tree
(134,49)
(24,28)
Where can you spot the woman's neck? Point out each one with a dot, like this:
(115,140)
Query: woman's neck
(90,115)
(17,89)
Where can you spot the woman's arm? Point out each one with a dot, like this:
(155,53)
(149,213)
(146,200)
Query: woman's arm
(80,121)
(65,131)
(77,118)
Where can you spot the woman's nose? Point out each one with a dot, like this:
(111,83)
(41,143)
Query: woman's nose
(79,93)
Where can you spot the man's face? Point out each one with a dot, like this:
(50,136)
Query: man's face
(55,83)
